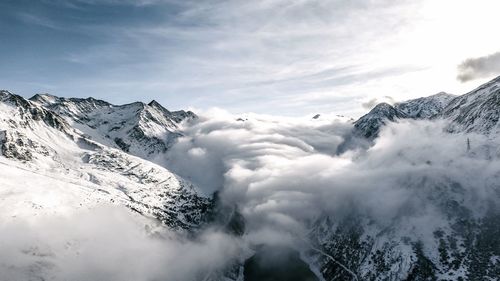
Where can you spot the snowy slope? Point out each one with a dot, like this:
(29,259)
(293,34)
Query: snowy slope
(477,111)
(44,144)
(424,108)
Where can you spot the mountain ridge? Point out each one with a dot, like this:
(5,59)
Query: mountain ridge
(476,111)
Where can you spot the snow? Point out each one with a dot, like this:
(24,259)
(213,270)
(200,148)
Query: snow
(425,107)
(82,170)
(477,111)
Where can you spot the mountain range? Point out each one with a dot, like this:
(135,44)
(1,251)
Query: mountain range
(88,151)
(476,111)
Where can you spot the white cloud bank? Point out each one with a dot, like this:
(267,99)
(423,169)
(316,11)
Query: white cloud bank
(281,173)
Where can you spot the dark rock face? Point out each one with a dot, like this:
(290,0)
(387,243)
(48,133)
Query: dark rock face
(17,146)
(272,263)
(465,248)
(370,124)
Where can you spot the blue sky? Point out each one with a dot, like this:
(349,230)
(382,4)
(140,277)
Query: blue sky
(281,57)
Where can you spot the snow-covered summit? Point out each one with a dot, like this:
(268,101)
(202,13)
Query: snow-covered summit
(369,125)
(137,128)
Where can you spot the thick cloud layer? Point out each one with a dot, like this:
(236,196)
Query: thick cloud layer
(474,68)
(284,173)
(281,174)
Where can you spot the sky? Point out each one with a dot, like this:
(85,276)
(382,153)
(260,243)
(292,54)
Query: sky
(290,58)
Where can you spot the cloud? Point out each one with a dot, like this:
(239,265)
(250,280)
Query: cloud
(108,243)
(38,20)
(227,54)
(481,67)
(283,173)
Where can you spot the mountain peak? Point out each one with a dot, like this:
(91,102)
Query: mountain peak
(4,93)
(369,125)
(158,106)
(154,103)
(44,98)
(382,106)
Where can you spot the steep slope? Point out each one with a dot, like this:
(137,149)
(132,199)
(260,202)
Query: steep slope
(461,245)
(369,125)
(139,129)
(43,143)
(426,107)
(445,227)
(477,111)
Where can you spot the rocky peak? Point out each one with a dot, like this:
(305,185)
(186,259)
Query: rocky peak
(157,105)
(4,93)
(44,99)
(369,125)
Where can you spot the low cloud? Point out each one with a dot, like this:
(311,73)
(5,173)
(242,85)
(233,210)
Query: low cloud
(475,68)
(284,173)
(107,243)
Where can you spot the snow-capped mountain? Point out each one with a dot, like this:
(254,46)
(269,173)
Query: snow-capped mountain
(477,111)
(463,243)
(44,144)
(369,125)
(139,129)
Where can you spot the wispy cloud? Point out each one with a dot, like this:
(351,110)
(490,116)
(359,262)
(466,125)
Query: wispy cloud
(243,50)
(239,54)
(33,19)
